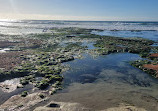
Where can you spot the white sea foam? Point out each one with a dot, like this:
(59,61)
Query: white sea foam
(32,26)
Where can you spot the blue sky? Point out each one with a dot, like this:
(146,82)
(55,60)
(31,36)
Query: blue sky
(145,10)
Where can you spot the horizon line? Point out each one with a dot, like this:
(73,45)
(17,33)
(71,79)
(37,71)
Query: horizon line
(78,20)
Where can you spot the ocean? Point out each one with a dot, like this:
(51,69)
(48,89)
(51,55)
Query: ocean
(112,28)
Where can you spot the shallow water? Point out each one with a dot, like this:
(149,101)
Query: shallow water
(152,35)
(90,45)
(155,44)
(108,81)
(8,88)
(4,96)
(104,81)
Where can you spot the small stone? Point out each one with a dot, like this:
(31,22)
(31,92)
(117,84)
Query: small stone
(20,86)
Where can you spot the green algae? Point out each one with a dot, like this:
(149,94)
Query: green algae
(24,94)
(46,60)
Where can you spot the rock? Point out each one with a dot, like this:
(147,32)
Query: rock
(54,90)
(41,95)
(54,105)
(70,36)
(24,94)
(20,86)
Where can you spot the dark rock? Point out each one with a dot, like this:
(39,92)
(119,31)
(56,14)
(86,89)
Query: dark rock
(54,105)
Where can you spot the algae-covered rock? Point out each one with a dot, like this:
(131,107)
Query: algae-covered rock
(24,81)
(42,96)
(43,84)
(24,94)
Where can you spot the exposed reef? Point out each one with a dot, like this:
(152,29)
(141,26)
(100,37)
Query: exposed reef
(39,60)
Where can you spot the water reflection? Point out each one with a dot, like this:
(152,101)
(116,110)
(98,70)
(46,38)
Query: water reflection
(89,69)
(108,81)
